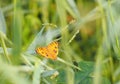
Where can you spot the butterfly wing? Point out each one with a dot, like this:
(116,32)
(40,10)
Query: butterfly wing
(42,51)
(53,50)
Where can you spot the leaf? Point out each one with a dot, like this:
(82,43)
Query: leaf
(82,77)
(86,75)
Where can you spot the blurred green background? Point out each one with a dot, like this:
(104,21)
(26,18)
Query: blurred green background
(88,36)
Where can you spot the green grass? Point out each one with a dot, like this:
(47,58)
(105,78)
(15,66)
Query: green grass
(88,36)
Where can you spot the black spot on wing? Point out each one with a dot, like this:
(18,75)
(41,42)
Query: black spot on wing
(54,51)
(42,52)
(46,54)
(55,47)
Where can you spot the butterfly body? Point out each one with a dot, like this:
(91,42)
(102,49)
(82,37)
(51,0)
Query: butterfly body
(50,51)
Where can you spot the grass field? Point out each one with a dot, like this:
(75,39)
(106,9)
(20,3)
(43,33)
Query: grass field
(87,33)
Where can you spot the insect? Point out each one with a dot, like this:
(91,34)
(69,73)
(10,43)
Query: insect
(50,51)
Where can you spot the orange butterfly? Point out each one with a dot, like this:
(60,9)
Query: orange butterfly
(50,51)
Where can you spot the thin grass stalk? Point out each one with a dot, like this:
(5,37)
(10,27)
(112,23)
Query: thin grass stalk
(99,58)
(5,49)
(61,60)
(116,37)
(98,65)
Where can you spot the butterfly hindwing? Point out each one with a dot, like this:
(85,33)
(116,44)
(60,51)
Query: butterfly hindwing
(42,51)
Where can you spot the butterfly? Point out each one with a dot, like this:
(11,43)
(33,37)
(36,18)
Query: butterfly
(50,51)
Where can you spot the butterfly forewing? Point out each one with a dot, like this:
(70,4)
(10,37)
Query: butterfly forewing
(53,49)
